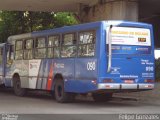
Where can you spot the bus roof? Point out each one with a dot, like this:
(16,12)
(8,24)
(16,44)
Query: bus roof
(67,29)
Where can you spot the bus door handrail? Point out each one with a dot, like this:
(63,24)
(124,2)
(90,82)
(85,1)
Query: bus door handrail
(109,48)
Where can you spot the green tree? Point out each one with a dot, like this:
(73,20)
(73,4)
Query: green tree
(64,18)
(18,22)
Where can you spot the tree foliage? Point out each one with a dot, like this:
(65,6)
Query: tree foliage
(18,22)
(63,19)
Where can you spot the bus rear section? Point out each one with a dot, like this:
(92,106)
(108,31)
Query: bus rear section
(128,62)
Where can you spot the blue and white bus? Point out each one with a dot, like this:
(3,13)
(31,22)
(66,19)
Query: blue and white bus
(99,58)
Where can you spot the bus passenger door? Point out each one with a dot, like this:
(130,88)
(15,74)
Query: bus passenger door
(2,60)
(9,65)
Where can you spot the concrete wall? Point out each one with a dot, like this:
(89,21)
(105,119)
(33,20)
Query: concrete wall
(132,10)
(110,10)
(155,21)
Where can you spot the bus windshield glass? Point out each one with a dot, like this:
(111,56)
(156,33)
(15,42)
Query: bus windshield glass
(128,40)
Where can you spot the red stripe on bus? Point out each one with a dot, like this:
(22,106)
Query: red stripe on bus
(50,77)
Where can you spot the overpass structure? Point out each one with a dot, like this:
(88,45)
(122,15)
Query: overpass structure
(90,9)
(94,10)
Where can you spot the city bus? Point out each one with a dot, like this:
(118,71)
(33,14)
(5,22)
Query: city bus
(99,58)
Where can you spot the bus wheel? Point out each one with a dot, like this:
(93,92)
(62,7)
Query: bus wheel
(60,95)
(102,97)
(17,86)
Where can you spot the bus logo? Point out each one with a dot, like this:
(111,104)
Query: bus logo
(141,39)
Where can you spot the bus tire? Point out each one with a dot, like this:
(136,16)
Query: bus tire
(60,95)
(18,91)
(103,97)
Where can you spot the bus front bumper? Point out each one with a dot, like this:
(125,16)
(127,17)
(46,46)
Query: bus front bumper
(125,86)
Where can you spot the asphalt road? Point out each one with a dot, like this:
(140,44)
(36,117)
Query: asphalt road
(41,103)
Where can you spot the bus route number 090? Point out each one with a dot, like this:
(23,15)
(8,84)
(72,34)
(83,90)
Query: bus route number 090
(91,66)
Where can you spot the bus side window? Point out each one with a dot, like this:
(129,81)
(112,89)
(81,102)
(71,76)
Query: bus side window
(86,44)
(28,49)
(53,46)
(69,45)
(19,50)
(40,47)
(10,55)
(1,55)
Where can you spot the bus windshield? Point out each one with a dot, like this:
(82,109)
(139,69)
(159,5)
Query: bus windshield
(128,40)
